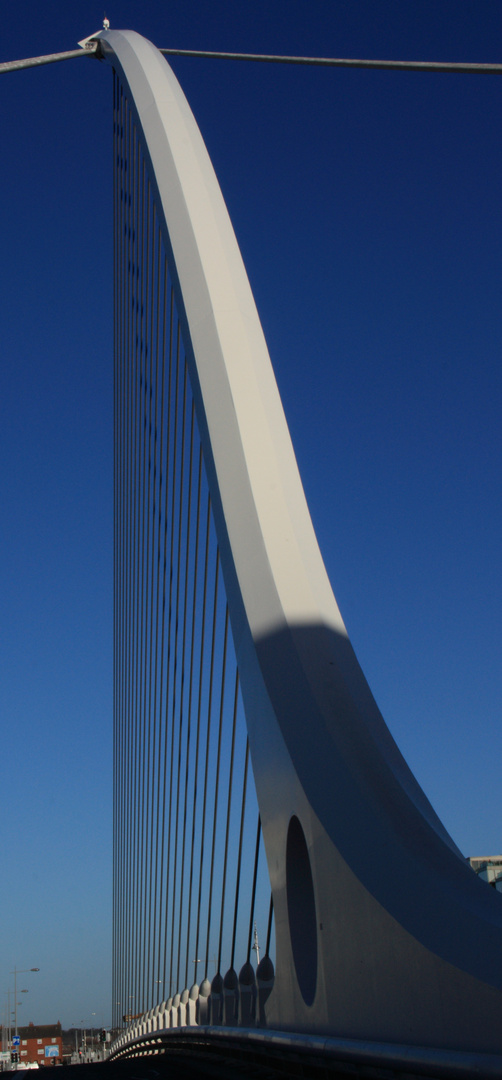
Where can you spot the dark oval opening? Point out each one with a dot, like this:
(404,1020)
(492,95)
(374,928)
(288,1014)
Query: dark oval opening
(301,910)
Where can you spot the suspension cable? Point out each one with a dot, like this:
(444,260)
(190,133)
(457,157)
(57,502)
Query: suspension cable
(52,58)
(92,48)
(320,61)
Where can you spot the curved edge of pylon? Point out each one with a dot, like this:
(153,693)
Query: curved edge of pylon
(391,903)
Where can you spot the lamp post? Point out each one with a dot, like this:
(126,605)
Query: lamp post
(9,1020)
(15,973)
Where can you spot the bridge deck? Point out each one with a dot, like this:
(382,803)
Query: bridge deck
(271,1056)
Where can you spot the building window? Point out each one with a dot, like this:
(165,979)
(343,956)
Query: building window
(54,1040)
(24,1043)
(24,1053)
(39,1042)
(39,1051)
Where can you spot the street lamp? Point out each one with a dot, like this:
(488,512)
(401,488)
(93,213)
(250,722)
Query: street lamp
(9,1019)
(76,1046)
(15,973)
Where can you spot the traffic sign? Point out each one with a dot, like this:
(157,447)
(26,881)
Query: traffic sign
(16,1040)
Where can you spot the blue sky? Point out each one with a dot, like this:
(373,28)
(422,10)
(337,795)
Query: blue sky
(367,206)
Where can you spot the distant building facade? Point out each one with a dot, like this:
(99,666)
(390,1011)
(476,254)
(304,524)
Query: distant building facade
(40,1044)
(488,868)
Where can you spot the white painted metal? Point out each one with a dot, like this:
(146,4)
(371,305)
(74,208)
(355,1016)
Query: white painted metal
(400,941)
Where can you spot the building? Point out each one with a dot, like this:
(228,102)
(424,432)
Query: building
(488,868)
(41,1044)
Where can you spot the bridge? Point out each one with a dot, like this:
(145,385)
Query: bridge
(281,882)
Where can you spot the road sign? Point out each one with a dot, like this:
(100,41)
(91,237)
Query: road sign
(16,1040)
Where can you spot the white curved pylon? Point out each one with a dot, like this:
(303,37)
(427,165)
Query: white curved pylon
(382,930)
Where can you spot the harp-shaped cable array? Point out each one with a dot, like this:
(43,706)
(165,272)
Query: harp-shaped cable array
(190,873)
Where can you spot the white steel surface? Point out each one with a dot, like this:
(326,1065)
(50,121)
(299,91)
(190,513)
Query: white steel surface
(409,942)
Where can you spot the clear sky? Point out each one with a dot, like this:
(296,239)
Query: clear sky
(367,206)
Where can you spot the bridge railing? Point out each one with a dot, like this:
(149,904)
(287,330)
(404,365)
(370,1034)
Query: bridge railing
(234,1001)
